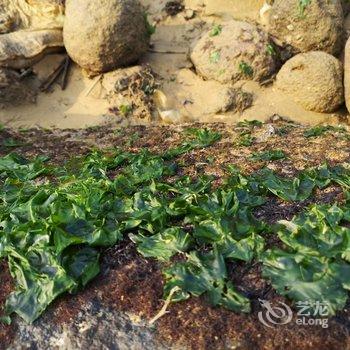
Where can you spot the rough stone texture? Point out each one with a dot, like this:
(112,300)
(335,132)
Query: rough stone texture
(33,14)
(347,74)
(319,26)
(29,29)
(103,35)
(13,90)
(241,100)
(347,27)
(314,80)
(95,327)
(239,51)
(24,48)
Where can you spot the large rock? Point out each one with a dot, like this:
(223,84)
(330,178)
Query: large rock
(314,80)
(103,35)
(347,27)
(347,74)
(31,14)
(29,29)
(22,49)
(234,51)
(317,25)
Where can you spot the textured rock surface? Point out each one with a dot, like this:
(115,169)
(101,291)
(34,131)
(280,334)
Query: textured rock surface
(103,35)
(347,74)
(24,48)
(314,80)
(33,14)
(314,26)
(29,29)
(235,51)
(95,327)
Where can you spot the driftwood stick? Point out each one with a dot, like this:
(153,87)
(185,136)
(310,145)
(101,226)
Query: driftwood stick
(45,86)
(64,80)
(97,80)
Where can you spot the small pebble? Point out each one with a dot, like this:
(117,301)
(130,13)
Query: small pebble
(189,14)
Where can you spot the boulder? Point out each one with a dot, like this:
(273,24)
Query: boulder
(347,74)
(103,35)
(22,49)
(29,29)
(234,51)
(347,27)
(314,80)
(31,14)
(313,26)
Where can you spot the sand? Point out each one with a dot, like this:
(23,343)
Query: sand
(83,103)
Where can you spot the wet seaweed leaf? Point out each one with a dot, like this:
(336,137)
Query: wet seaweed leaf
(296,189)
(308,278)
(319,231)
(163,245)
(268,155)
(15,166)
(51,231)
(40,279)
(204,274)
(200,138)
(250,124)
(322,129)
(81,264)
